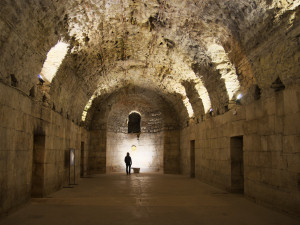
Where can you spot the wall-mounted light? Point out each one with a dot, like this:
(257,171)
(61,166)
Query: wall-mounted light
(211,112)
(41,79)
(238,99)
(133,148)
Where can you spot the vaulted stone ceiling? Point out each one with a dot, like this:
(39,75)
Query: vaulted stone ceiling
(196,55)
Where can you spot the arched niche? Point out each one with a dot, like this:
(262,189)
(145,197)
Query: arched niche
(134,123)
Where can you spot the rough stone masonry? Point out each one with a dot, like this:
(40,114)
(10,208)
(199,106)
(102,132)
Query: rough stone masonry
(216,83)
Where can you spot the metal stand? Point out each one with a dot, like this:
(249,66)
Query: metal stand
(72,163)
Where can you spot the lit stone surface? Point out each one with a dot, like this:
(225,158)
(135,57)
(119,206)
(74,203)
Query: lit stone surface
(152,44)
(53,60)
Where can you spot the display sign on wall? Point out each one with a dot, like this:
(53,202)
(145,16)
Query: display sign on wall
(72,157)
(72,165)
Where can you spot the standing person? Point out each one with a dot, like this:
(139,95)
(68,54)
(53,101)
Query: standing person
(128,163)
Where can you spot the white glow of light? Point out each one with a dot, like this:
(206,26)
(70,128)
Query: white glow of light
(40,77)
(285,5)
(54,58)
(225,67)
(188,106)
(135,112)
(87,107)
(239,96)
(203,94)
(143,156)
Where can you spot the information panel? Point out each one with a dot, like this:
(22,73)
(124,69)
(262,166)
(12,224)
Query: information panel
(72,157)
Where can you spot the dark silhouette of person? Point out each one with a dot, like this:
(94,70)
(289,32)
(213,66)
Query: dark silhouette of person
(128,163)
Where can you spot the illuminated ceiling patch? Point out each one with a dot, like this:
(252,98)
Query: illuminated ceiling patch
(203,94)
(188,106)
(54,58)
(225,68)
(87,107)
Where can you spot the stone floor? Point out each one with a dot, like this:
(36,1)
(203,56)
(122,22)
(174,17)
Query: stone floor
(151,199)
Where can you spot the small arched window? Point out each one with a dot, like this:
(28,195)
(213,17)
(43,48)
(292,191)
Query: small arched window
(134,123)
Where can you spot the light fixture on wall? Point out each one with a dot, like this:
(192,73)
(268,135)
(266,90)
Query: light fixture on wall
(211,112)
(41,79)
(238,99)
(133,148)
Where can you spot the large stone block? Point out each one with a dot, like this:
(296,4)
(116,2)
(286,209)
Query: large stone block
(291,144)
(265,176)
(279,125)
(264,143)
(257,191)
(291,122)
(252,143)
(237,128)
(269,106)
(279,104)
(291,105)
(266,125)
(293,162)
(9,116)
(251,172)
(250,112)
(3,163)
(250,127)
(275,143)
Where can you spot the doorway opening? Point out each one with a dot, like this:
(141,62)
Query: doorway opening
(237,166)
(192,158)
(82,160)
(38,163)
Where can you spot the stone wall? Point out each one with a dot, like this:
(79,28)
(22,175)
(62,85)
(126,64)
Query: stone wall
(97,152)
(171,151)
(33,137)
(271,152)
